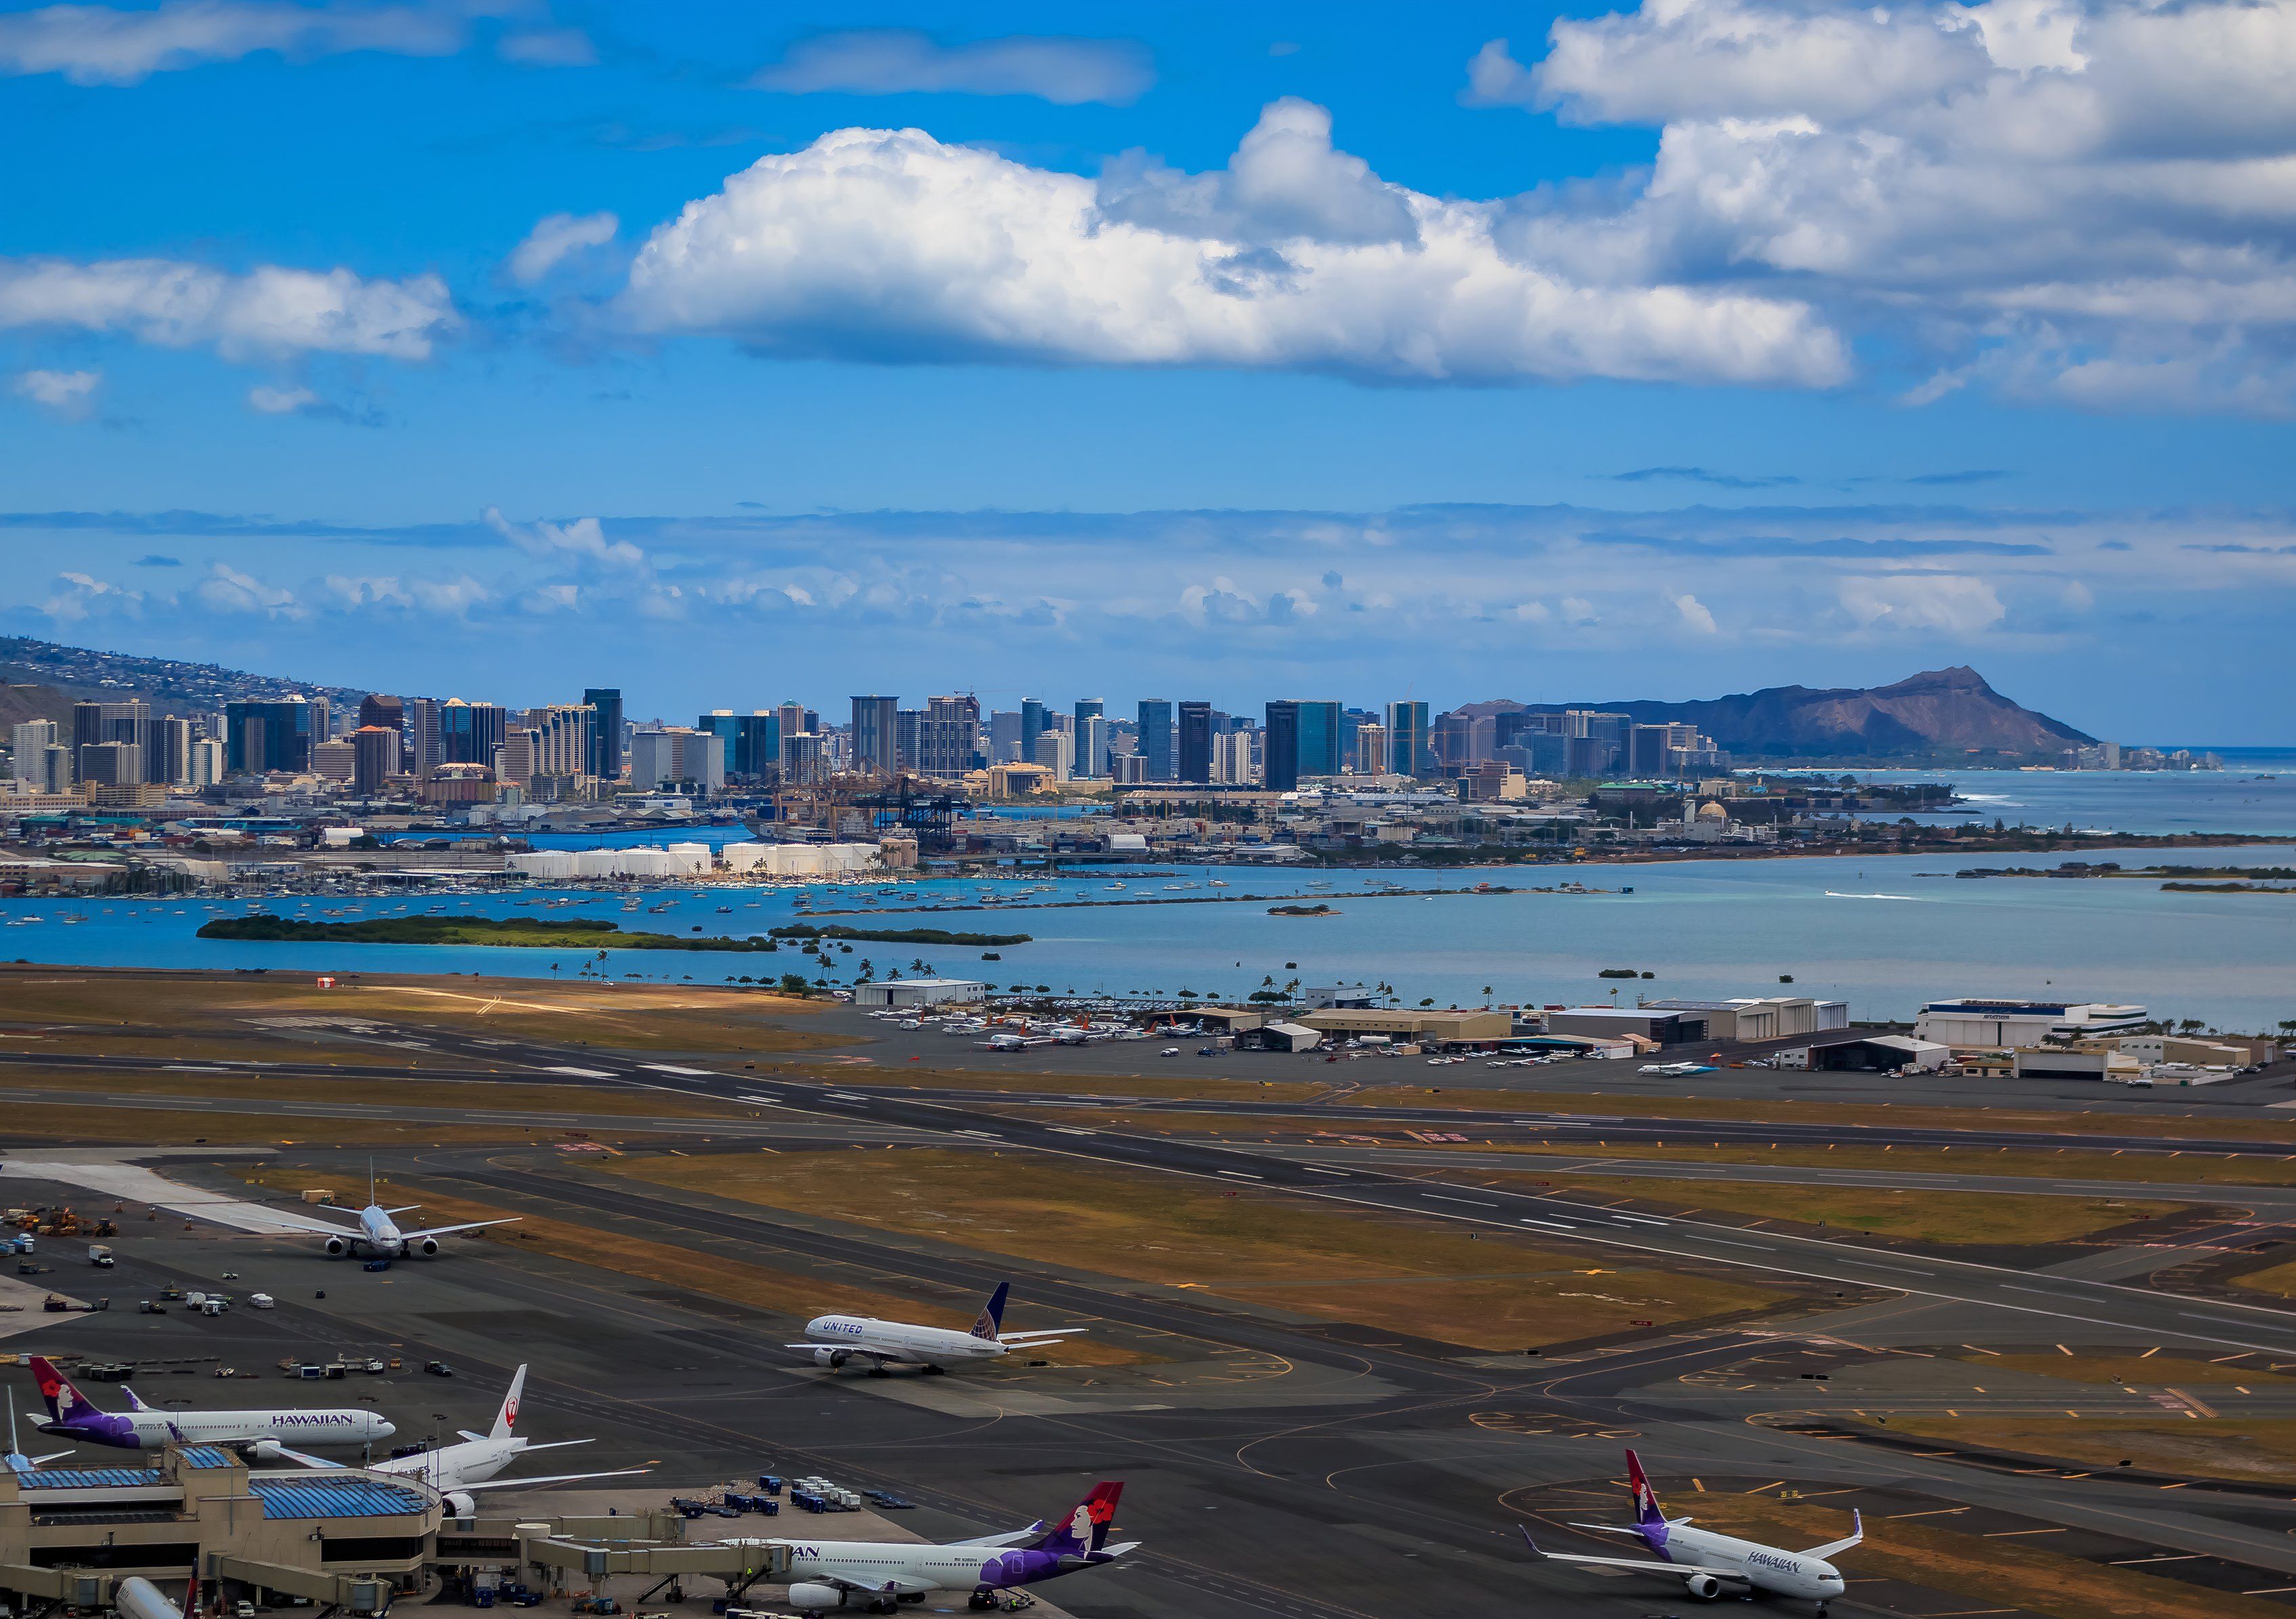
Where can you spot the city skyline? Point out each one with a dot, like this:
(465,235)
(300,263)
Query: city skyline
(1669,350)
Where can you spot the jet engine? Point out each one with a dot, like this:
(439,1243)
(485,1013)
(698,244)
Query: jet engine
(337,1247)
(1704,1587)
(266,1449)
(810,1599)
(427,1247)
(461,1504)
(832,1358)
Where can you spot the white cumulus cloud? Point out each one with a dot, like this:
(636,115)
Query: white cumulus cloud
(891,61)
(68,393)
(267,310)
(227,589)
(2082,200)
(1956,604)
(582,540)
(890,244)
(1696,614)
(552,239)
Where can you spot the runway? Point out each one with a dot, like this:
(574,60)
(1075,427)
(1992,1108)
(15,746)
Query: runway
(1275,1465)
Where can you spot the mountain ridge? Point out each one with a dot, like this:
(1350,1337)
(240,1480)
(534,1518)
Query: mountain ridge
(1926,716)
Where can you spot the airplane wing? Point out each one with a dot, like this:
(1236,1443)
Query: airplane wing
(1606,1528)
(468,1225)
(1681,1570)
(273,1448)
(897,1587)
(1834,1548)
(1023,1339)
(547,1478)
(1013,1537)
(883,1357)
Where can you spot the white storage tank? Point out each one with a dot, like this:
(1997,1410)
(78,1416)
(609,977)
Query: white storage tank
(744,857)
(598,862)
(690,858)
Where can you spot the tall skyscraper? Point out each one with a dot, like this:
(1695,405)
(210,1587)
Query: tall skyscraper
(261,737)
(374,758)
(1005,736)
(565,743)
(1091,745)
(1088,708)
(1371,749)
(43,763)
(94,722)
(108,764)
(167,755)
(877,736)
(1282,745)
(1032,726)
(1408,750)
(1155,744)
(1194,742)
(382,712)
(951,735)
(606,703)
(425,747)
(909,738)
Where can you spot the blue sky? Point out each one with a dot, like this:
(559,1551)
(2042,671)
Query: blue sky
(729,354)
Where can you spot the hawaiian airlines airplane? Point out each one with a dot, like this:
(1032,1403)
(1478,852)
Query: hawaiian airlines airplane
(1710,1563)
(836,1339)
(71,1415)
(823,1574)
(459,1469)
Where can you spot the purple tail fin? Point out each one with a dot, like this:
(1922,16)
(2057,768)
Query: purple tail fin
(1650,1517)
(63,1401)
(1086,1526)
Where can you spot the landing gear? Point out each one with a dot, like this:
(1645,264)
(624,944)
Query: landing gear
(884,1605)
(879,1371)
(936,1371)
(983,1599)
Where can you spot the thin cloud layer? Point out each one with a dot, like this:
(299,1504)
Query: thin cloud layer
(2082,201)
(893,62)
(268,310)
(103,45)
(890,245)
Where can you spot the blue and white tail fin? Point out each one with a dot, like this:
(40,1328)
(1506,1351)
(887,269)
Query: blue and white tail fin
(507,1418)
(991,1320)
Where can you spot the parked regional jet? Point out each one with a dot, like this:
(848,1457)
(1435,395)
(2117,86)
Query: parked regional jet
(459,1469)
(835,1339)
(824,1575)
(71,1415)
(379,1237)
(1676,1071)
(15,1460)
(1709,1563)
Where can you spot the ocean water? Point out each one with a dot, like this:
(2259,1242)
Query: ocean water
(1883,933)
(2255,792)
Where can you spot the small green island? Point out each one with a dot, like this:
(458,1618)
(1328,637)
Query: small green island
(898,935)
(1302,910)
(526,933)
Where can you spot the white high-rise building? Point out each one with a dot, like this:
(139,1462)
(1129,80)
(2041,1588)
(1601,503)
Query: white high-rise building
(205,763)
(30,741)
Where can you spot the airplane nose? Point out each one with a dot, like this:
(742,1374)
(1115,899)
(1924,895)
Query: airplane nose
(384,1428)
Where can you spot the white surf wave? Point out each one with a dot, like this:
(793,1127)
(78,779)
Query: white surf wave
(1913,898)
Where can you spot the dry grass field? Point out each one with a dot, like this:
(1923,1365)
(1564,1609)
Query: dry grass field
(1498,1293)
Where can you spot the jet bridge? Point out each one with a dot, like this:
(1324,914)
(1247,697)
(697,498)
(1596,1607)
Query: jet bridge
(592,1548)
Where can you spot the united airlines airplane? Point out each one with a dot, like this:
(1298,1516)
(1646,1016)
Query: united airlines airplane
(1709,1563)
(834,1340)
(73,1415)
